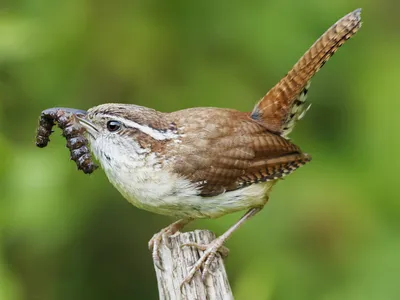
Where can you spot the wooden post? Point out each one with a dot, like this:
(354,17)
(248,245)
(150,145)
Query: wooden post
(177,262)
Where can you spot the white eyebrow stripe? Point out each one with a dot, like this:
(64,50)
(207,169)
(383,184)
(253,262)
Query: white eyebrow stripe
(154,133)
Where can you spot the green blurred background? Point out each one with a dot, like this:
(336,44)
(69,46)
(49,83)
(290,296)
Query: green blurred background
(330,231)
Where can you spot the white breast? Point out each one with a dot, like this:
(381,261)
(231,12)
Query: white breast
(140,179)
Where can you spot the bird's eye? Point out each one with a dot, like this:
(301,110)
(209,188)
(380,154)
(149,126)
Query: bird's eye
(113,126)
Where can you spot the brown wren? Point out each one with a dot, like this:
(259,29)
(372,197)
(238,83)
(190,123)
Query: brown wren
(208,162)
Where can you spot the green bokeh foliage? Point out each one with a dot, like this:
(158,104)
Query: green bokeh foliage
(330,231)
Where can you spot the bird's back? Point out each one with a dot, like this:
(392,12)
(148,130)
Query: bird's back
(222,150)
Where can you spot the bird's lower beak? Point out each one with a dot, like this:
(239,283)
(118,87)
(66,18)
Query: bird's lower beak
(88,125)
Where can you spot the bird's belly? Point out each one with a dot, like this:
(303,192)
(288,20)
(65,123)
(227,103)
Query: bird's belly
(162,193)
(225,203)
(185,204)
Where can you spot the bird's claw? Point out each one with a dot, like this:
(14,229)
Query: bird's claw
(211,250)
(163,235)
(154,246)
(224,251)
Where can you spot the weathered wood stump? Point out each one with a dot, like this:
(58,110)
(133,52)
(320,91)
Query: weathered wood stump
(177,262)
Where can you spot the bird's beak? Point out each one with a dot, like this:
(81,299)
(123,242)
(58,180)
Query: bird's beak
(88,125)
(78,112)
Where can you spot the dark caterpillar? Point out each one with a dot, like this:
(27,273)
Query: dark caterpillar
(71,130)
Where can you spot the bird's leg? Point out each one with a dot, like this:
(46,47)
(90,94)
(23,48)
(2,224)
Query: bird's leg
(163,234)
(217,245)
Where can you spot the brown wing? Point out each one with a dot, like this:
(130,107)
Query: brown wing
(224,150)
(284,104)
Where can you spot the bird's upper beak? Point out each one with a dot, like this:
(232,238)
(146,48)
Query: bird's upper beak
(77,112)
(87,124)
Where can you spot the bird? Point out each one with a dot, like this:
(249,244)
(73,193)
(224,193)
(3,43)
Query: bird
(206,162)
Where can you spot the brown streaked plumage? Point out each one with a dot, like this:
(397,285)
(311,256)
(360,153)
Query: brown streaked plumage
(219,150)
(224,150)
(282,105)
(206,162)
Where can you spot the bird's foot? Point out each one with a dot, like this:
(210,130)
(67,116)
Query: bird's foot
(163,235)
(211,250)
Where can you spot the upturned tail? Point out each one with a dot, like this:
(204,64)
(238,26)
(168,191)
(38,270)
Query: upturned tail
(285,103)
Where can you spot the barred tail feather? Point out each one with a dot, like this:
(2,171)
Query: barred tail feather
(285,103)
